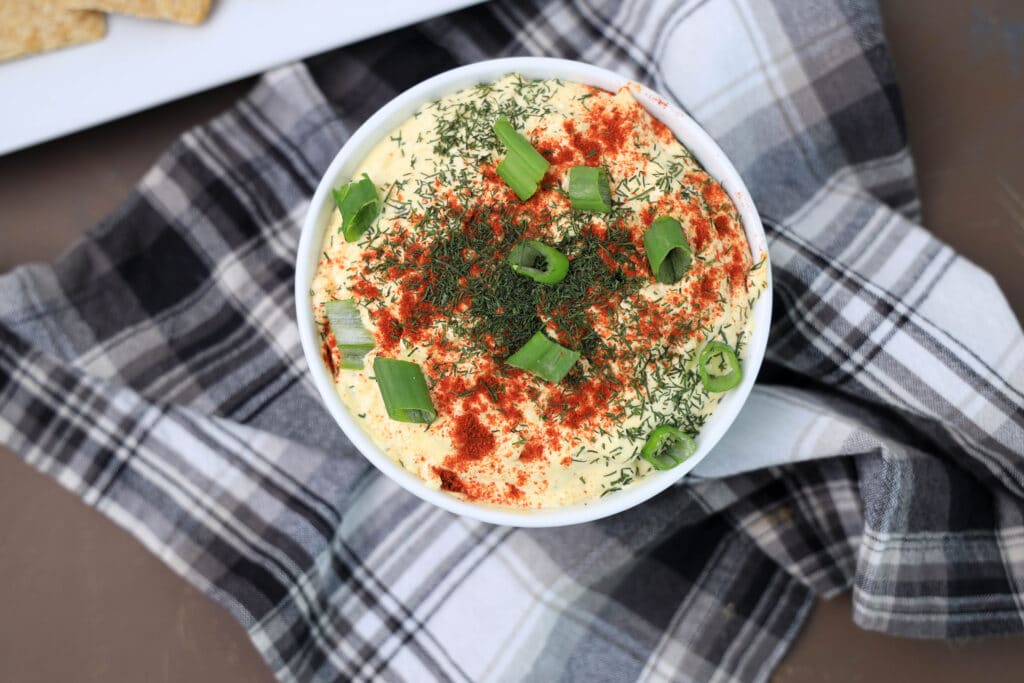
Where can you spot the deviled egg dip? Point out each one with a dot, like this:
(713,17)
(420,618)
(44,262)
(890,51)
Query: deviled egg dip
(532,294)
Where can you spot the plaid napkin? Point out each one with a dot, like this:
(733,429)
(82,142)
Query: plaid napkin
(155,371)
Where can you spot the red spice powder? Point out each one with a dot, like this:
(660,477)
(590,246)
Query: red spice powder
(714,193)
(448,391)
(411,305)
(389,332)
(612,125)
(588,146)
(736,269)
(609,128)
(487,391)
(647,216)
(650,317)
(473,490)
(701,233)
(662,131)
(584,404)
(707,293)
(364,290)
(559,155)
(327,353)
(471,438)
(532,451)
(489,173)
(449,480)
(723,225)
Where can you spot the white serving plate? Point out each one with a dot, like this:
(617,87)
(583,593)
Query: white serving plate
(383,123)
(142,63)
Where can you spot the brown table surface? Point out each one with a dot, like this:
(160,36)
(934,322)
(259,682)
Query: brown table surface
(81,600)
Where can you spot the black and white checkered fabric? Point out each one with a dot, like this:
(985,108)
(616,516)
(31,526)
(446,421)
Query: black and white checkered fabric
(155,371)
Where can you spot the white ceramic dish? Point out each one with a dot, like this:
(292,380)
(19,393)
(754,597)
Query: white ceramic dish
(141,63)
(389,117)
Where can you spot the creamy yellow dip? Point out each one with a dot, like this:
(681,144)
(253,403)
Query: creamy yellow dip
(428,280)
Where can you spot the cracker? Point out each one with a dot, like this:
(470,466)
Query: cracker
(182,11)
(27,27)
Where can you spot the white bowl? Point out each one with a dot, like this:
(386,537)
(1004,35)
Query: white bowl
(383,123)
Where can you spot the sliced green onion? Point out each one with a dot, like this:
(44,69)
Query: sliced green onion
(718,383)
(404,390)
(588,189)
(359,205)
(517,175)
(667,447)
(354,342)
(523,166)
(518,144)
(539,262)
(544,358)
(667,250)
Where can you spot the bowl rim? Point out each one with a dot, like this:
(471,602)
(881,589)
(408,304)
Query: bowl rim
(382,123)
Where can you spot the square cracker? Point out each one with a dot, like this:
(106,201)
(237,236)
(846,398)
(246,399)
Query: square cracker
(27,27)
(182,11)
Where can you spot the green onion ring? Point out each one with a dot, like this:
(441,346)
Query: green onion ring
(668,252)
(667,447)
(588,189)
(523,166)
(404,390)
(544,358)
(719,383)
(359,205)
(539,262)
(354,342)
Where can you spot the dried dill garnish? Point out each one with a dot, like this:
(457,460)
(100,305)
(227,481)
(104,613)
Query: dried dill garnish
(505,309)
